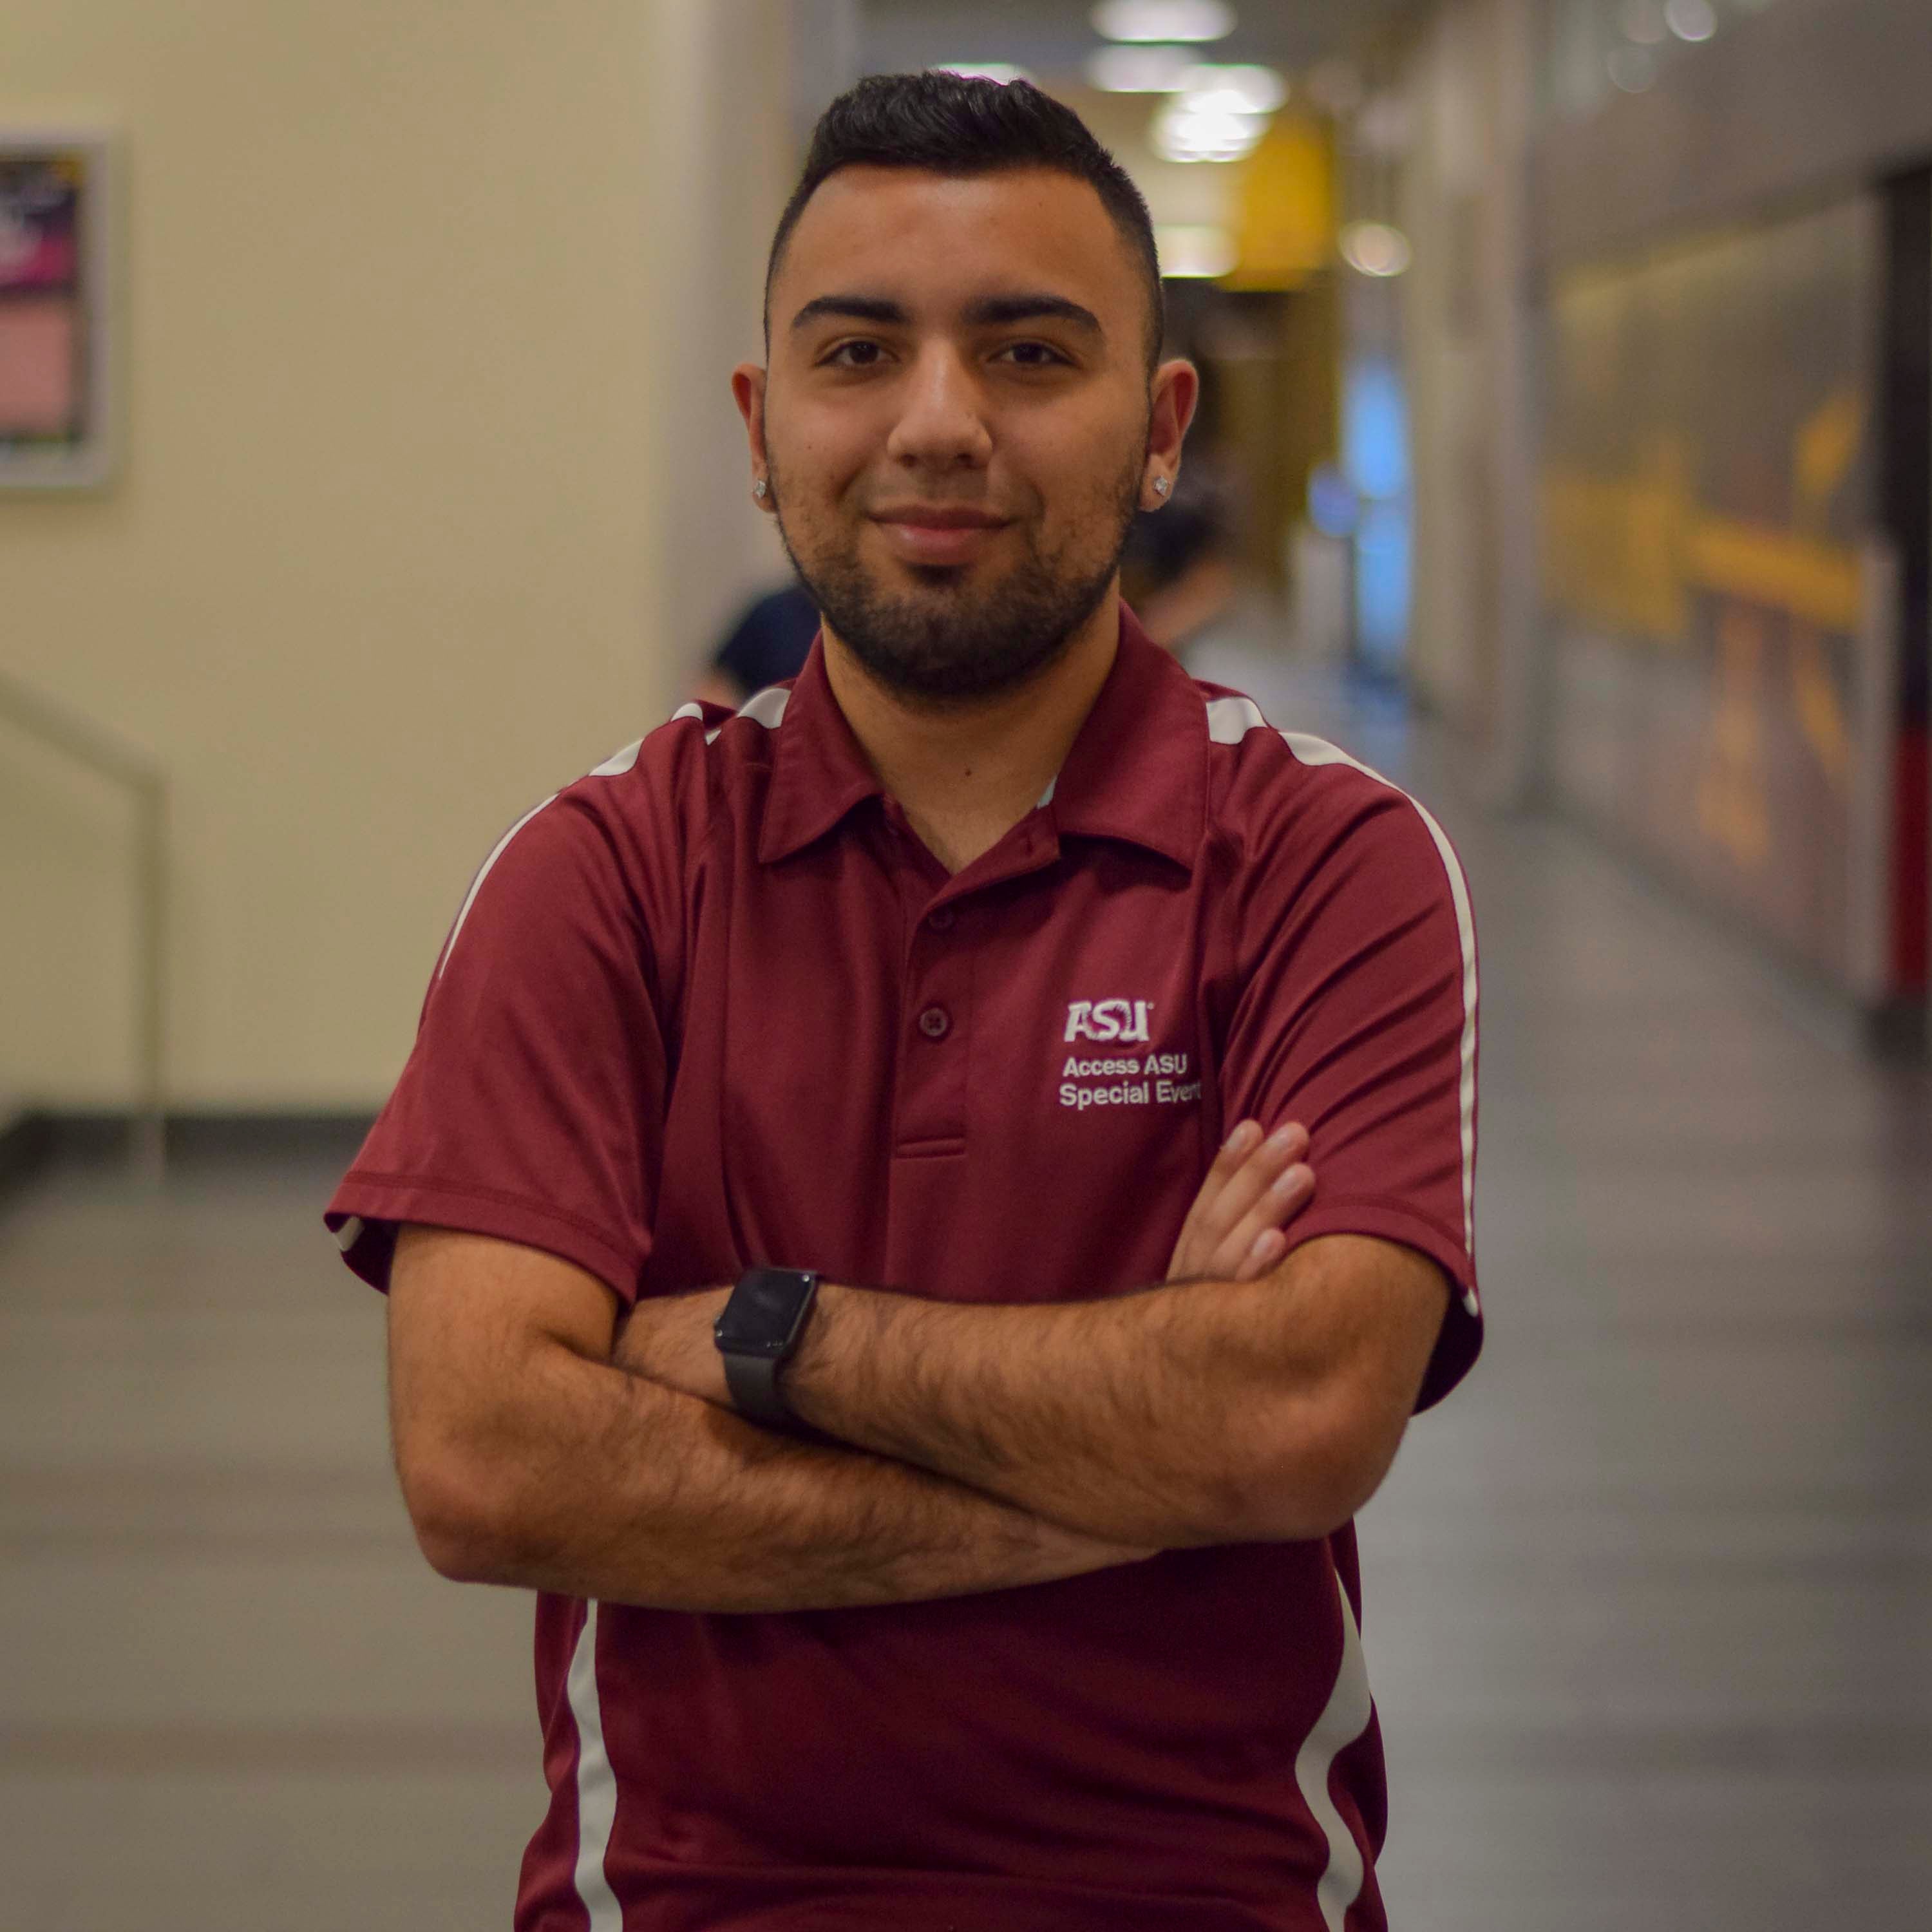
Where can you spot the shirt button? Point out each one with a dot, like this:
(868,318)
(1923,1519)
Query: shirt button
(940,921)
(934,1022)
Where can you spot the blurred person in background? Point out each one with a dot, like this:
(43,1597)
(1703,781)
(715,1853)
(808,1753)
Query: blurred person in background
(998,960)
(1178,572)
(767,645)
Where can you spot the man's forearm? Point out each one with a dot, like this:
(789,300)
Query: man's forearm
(1123,1417)
(633,1493)
(1197,1412)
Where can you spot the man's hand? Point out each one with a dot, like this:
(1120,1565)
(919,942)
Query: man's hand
(1257,1185)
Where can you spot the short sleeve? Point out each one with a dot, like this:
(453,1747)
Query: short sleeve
(531,1106)
(1357,1016)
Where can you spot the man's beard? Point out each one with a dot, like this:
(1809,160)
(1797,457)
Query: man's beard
(953,646)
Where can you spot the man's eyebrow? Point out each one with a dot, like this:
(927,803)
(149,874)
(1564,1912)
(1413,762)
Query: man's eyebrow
(852,308)
(989,312)
(994,310)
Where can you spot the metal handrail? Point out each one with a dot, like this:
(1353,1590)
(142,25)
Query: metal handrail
(146,780)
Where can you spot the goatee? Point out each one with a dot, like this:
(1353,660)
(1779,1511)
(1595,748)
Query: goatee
(953,645)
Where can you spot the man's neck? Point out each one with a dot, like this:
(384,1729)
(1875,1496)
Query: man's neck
(965,776)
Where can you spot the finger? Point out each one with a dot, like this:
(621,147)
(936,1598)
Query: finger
(1234,1152)
(1238,1193)
(1270,1246)
(1247,1165)
(1226,1201)
(1284,1198)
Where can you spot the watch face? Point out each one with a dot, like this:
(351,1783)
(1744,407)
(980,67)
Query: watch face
(763,1313)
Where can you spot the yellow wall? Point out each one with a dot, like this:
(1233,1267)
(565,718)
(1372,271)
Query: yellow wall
(426,331)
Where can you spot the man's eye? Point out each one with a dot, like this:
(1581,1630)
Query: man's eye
(854,355)
(1032,354)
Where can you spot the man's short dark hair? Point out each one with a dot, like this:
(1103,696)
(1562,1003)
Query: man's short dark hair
(950,124)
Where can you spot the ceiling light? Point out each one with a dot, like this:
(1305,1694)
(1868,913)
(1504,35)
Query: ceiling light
(1690,20)
(1163,20)
(1186,250)
(1218,113)
(999,71)
(1183,132)
(1138,69)
(1237,90)
(1375,248)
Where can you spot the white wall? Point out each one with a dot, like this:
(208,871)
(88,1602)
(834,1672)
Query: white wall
(1469,346)
(428,317)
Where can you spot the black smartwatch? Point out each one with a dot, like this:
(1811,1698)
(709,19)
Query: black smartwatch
(757,1334)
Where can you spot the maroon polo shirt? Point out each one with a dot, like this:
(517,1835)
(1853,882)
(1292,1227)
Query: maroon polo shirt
(715,1005)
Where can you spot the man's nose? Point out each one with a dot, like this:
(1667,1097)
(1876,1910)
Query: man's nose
(943,424)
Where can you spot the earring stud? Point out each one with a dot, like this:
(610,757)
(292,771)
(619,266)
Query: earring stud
(758,489)
(1160,486)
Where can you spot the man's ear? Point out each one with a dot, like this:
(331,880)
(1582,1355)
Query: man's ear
(1173,393)
(747,391)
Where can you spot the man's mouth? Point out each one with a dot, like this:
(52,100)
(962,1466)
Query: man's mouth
(937,533)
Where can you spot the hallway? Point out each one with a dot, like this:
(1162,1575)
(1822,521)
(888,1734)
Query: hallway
(1651,1613)
(1649,1602)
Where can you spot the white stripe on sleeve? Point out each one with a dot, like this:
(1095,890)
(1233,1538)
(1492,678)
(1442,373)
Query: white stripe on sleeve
(1230,720)
(767,708)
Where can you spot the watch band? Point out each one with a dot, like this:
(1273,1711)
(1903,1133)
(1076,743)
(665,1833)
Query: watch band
(753,1380)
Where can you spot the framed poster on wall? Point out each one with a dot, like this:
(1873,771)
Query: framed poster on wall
(1720,696)
(56,346)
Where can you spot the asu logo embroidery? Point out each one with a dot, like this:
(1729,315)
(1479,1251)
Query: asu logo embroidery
(1141,1080)
(1108,1019)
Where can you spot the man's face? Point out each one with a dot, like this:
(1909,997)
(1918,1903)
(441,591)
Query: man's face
(956,419)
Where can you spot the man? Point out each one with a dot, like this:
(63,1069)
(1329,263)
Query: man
(1021,1593)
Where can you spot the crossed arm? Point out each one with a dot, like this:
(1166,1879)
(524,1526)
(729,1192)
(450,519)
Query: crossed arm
(1197,1412)
(988,1446)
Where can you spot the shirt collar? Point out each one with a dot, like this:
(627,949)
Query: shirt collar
(819,772)
(1137,769)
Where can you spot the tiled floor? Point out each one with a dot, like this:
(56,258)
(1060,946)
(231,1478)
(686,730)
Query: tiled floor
(1649,1610)
(231,1694)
